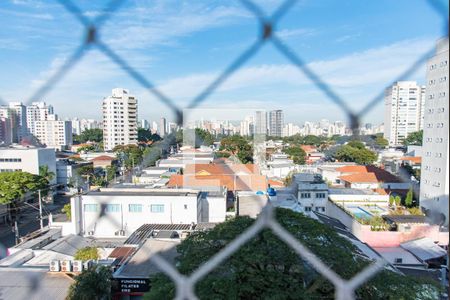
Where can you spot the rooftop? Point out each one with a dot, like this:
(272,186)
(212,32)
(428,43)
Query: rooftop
(141,266)
(140,191)
(405,219)
(366,174)
(349,191)
(424,249)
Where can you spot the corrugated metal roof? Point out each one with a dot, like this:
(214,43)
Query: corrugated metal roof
(145,231)
(424,249)
(68,245)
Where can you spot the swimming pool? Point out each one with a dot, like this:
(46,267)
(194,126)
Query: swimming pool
(359,212)
(365,211)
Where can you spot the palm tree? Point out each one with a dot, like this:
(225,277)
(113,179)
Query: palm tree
(46,173)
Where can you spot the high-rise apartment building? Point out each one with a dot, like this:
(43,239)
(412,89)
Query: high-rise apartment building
(54,133)
(404,110)
(80,125)
(119,119)
(247,126)
(37,111)
(434,185)
(20,112)
(276,122)
(261,122)
(162,127)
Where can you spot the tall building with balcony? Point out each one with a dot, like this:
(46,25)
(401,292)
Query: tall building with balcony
(119,119)
(276,122)
(404,111)
(37,111)
(434,186)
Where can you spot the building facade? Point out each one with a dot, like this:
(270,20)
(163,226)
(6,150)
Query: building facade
(261,122)
(54,133)
(27,159)
(276,122)
(162,127)
(37,111)
(404,111)
(119,119)
(434,186)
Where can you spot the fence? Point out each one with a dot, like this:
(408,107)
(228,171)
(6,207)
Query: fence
(185,284)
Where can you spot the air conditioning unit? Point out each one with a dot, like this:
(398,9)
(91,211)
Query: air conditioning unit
(77,266)
(55,266)
(119,233)
(66,266)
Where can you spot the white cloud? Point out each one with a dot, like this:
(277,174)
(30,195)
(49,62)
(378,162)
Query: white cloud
(290,33)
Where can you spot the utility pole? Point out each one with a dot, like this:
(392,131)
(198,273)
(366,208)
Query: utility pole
(41,221)
(16,232)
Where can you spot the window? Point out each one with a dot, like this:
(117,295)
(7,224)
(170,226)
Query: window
(112,208)
(91,207)
(305,195)
(320,195)
(307,208)
(157,208)
(135,207)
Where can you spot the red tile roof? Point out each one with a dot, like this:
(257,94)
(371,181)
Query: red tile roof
(231,182)
(370,177)
(413,159)
(103,158)
(221,169)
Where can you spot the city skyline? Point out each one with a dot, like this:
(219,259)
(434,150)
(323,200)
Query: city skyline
(355,50)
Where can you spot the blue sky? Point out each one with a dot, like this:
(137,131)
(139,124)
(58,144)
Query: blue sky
(357,46)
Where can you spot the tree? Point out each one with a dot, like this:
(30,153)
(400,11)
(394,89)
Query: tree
(130,155)
(46,173)
(297,154)
(414,138)
(409,198)
(267,268)
(391,200)
(94,283)
(381,142)
(90,135)
(145,136)
(203,138)
(239,146)
(14,185)
(67,210)
(86,253)
(355,154)
(397,200)
(87,148)
(356,144)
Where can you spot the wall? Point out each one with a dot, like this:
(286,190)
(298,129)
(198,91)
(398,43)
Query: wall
(177,210)
(213,208)
(363,199)
(384,238)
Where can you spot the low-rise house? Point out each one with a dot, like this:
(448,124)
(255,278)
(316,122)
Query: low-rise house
(103,161)
(66,170)
(312,192)
(369,177)
(116,212)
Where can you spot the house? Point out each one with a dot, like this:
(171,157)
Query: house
(103,161)
(312,154)
(369,177)
(66,169)
(311,192)
(115,212)
(235,177)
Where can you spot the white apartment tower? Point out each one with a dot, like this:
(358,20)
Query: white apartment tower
(54,133)
(261,122)
(276,122)
(404,110)
(37,111)
(435,158)
(162,127)
(119,119)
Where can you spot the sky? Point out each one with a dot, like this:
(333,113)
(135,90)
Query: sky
(357,47)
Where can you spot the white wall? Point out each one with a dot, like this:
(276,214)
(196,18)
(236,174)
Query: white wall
(213,208)
(177,210)
(30,160)
(362,198)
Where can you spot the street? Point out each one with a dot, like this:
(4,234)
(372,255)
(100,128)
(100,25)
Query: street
(29,220)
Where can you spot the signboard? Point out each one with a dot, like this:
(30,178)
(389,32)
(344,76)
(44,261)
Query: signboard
(131,285)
